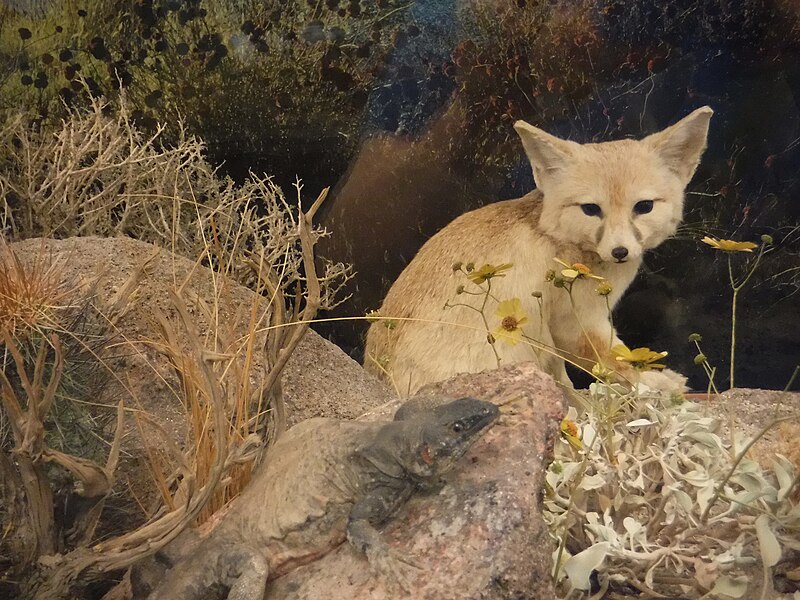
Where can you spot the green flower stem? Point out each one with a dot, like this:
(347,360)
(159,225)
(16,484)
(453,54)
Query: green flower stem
(580,324)
(733,329)
(541,315)
(485,321)
(710,374)
(737,287)
(482,312)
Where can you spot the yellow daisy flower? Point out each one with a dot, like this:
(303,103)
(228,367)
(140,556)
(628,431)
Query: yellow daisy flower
(576,271)
(729,245)
(641,359)
(512,318)
(487,272)
(569,431)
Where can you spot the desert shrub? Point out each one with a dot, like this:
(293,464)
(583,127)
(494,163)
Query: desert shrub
(99,174)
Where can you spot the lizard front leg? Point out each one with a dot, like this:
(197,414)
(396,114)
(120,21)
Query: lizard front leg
(376,506)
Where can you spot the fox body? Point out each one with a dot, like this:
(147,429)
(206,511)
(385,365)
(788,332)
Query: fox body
(601,205)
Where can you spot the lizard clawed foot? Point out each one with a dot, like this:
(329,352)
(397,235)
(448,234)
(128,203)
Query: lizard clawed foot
(397,568)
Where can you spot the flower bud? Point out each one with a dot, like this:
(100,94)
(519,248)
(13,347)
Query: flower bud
(603,288)
(549,275)
(536,294)
(700,359)
(695,337)
(457,266)
(767,239)
(470,267)
(600,372)
(460,289)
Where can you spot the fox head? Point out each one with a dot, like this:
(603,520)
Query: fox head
(616,199)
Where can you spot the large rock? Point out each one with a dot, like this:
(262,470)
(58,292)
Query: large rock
(319,380)
(482,535)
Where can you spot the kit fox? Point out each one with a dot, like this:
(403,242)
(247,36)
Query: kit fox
(601,205)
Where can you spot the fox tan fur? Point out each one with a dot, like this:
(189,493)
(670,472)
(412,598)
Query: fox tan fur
(591,207)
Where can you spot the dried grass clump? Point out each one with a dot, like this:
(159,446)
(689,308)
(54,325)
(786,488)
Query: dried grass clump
(31,297)
(648,498)
(231,421)
(98,174)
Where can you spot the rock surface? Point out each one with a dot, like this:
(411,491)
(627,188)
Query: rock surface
(319,380)
(481,536)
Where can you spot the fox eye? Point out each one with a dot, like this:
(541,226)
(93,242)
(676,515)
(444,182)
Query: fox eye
(591,210)
(457,427)
(642,207)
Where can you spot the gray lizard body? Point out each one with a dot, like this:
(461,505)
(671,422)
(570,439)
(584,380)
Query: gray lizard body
(325,481)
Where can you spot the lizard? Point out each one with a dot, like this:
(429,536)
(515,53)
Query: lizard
(323,482)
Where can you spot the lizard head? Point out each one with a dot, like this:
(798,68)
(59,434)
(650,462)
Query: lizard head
(446,433)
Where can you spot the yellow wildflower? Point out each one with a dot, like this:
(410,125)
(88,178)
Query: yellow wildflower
(641,359)
(569,431)
(488,271)
(576,271)
(729,245)
(512,318)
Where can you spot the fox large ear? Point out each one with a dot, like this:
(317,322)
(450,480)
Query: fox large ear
(682,144)
(547,154)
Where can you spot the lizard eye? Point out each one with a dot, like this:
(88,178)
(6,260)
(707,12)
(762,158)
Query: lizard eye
(642,207)
(591,210)
(457,427)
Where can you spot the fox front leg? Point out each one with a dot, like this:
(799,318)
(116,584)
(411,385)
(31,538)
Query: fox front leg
(594,347)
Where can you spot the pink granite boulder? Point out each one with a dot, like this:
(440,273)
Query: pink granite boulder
(481,535)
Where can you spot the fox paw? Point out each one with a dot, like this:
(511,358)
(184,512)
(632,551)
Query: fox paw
(665,381)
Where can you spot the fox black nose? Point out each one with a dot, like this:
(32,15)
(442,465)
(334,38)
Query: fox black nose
(619,252)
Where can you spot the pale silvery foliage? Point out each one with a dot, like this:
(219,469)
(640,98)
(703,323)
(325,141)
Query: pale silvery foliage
(632,502)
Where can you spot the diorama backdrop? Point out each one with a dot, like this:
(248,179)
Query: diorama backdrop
(405,108)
